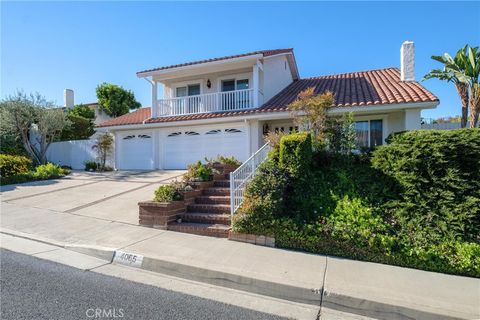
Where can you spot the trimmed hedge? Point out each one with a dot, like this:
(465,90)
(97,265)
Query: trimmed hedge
(13,165)
(296,153)
(413,203)
(439,175)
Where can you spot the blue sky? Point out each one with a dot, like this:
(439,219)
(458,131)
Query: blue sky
(49,46)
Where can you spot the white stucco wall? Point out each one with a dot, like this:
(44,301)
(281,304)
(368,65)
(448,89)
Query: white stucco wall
(277,76)
(412,119)
(395,122)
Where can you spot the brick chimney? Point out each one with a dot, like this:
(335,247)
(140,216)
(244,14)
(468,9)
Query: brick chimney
(407,61)
(68,101)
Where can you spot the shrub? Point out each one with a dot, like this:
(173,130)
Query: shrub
(296,153)
(439,175)
(223,160)
(91,165)
(295,158)
(49,171)
(198,172)
(167,193)
(13,165)
(229,160)
(264,200)
(416,206)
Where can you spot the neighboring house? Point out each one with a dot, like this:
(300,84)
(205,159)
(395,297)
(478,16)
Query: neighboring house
(224,106)
(100,115)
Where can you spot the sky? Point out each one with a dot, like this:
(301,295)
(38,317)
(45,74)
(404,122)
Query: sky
(49,46)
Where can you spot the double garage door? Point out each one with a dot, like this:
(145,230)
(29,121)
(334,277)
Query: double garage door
(181,146)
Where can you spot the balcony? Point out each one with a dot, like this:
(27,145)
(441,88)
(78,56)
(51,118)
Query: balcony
(210,102)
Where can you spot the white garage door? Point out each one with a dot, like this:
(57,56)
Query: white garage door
(136,151)
(184,146)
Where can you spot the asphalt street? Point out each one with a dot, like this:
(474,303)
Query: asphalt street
(33,288)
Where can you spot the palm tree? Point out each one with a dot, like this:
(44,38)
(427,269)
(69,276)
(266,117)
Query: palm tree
(471,76)
(449,74)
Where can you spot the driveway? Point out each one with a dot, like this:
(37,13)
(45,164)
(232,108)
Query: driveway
(109,196)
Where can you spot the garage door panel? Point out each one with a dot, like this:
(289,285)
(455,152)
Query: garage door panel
(136,151)
(187,146)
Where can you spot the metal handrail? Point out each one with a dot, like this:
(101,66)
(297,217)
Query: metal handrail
(240,177)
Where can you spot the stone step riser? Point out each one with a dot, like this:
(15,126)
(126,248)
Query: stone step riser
(207,219)
(221,176)
(221,183)
(209,208)
(216,192)
(200,231)
(213,200)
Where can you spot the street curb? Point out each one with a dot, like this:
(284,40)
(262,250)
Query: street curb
(218,278)
(233,281)
(329,300)
(94,251)
(378,310)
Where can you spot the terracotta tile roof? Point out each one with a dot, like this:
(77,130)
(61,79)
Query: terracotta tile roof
(367,88)
(265,53)
(135,117)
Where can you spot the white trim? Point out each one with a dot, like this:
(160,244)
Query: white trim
(199,65)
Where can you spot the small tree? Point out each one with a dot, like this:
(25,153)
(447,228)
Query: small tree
(33,121)
(347,134)
(309,111)
(81,123)
(104,148)
(115,100)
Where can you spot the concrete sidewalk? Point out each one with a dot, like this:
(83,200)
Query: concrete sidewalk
(369,289)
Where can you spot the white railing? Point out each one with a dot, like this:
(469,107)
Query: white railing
(210,102)
(240,177)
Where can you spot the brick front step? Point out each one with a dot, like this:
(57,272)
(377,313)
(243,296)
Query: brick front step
(216,192)
(208,218)
(209,208)
(203,229)
(221,183)
(221,176)
(212,199)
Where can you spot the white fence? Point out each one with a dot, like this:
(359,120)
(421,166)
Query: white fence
(73,153)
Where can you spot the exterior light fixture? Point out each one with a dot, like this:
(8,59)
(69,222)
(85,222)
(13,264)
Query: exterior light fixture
(209,84)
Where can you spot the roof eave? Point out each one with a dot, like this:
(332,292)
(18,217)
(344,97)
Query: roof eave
(144,74)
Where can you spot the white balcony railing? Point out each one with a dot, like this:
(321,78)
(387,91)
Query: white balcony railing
(210,102)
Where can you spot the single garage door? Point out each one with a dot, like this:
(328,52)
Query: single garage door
(188,145)
(136,151)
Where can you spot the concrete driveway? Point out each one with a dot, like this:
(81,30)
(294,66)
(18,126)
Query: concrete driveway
(109,196)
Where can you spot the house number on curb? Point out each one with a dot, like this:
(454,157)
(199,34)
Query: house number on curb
(129,259)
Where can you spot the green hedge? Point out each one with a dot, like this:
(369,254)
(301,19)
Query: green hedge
(296,153)
(42,172)
(412,203)
(13,165)
(439,175)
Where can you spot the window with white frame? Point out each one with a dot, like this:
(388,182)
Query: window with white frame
(369,133)
(189,90)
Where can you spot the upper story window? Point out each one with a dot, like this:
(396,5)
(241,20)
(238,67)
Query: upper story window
(369,133)
(232,85)
(190,90)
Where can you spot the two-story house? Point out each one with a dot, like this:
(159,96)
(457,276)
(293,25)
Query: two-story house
(224,106)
